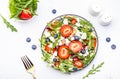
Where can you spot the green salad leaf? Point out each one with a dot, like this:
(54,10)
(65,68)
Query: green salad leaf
(84,22)
(88,59)
(13,29)
(56,41)
(65,65)
(46,56)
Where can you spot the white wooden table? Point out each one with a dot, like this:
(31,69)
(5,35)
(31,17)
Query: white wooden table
(14,45)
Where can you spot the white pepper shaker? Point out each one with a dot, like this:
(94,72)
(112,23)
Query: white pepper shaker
(95,9)
(105,19)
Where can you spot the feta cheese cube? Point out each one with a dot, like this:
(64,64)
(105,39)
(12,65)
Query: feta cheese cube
(71,69)
(78,20)
(52,39)
(84,36)
(77,24)
(72,38)
(47,34)
(50,45)
(65,21)
(55,53)
(67,41)
(60,42)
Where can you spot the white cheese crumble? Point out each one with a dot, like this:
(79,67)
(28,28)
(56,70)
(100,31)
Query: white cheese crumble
(78,24)
(47,34)
(52,39)
(78,20)
(55,53)
(62,38)
(87,53)
(65,21)
(84,36)
(70,69)
(60,42)
(50,45)
(93,34)
(77,34)
(67,41)
(72,38)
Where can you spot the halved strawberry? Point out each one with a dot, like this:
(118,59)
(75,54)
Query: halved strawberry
(25,14)
(75,46)
(50,50)
(78,64)
(66,30)
(73,21)
(63,52)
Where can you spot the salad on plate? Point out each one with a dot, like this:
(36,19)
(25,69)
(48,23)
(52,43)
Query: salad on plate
(22,9)
(69,43)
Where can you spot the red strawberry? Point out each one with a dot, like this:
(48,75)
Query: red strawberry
(25,14)
(78,64)
(66,30)
(75,46)
(50,50)
(73,21)
(63,52)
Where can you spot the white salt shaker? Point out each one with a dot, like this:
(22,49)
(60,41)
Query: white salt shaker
(95,9)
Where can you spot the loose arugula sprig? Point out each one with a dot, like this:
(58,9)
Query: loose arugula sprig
(13,29)
(94,70)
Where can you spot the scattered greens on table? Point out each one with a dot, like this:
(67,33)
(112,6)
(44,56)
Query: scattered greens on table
(93,71)
(13,29)
(58,46)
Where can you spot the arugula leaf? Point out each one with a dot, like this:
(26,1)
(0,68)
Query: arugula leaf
(46,56)
(84,22)
(56,41)
(65,65)
(42,40)
(88,58)
(13,29)
(94,70)
(59,24)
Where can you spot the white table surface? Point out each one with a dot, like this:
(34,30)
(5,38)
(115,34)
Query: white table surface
(14,45)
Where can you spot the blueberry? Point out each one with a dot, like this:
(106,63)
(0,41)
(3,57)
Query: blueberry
(55,35)
(28,39)
(76,37)
(54,59)
(54,11)
(47,39)
(34,47)
(75,69)
(83,51)
(113,46)
(108,39)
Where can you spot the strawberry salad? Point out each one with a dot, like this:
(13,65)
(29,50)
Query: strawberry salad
(22,9)
(69,43)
